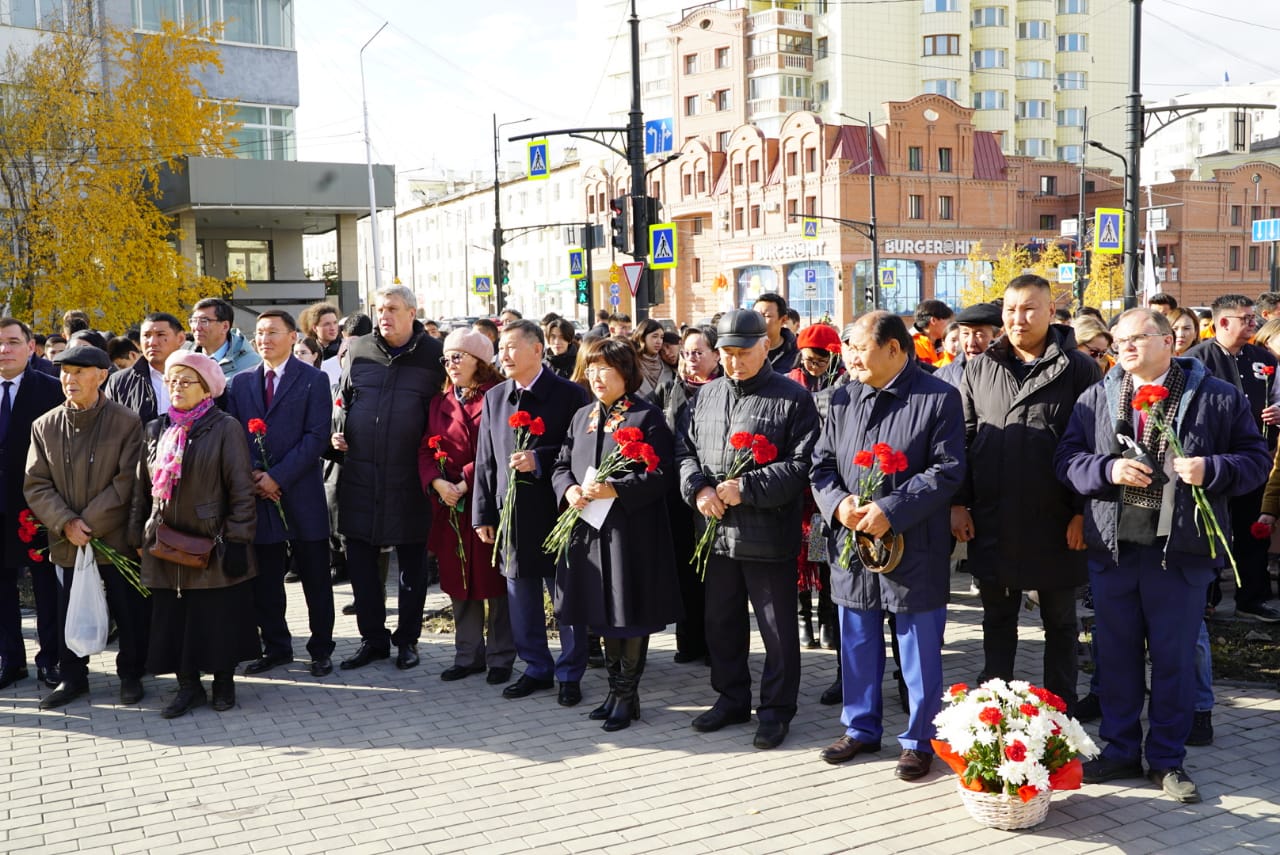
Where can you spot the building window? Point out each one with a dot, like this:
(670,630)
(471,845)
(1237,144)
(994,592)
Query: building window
(695,226)
(737,174)
(1034,147)
(1255,213)
(1048,222)
(724,100)
(1073,43)
(941,5)
(915,207)
(793,167)
(1071,118)
(1033,109)
(1233,258)
(992,16)
(265,133)
(697,269)
(755,216)
(1033,30)
(821,48)
(1073,80)
(250,258)
(946,88)
(722,57)
(946,207)
(989,99)
(1070,153)
(722,141)
(1033,69)
(737,219)
(691,63)
(1253,257)
(691,105)
(793,209)
(915,158)
(810,160)
(944,160)
(1073,7)
(942,45)
(1048,185)
(1237,215)
(755,171)
(810,205)
(254,22)
(991,58)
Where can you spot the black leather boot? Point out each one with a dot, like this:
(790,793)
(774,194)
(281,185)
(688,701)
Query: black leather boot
(806,621)
(627,707)
(190,695)
(613,662)
(224,690)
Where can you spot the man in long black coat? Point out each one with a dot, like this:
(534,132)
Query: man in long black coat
(535,390)
(27,395)
(391,376)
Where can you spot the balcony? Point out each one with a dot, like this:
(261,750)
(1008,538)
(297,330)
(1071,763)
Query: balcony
(1171,275)
(780,62)
(776,106)
(779,19)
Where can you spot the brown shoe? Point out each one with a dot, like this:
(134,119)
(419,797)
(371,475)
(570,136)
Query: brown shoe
(913,764)
(845,749)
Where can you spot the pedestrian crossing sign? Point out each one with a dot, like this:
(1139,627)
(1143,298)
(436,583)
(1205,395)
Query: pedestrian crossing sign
(888,277)
(1108,231)
(662,245)
(810,228)
(480,284)
(538,168)
(575,264)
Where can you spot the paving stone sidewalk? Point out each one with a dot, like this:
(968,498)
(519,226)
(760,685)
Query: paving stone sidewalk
(379,760)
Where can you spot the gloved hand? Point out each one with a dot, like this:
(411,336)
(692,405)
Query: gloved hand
(235,560)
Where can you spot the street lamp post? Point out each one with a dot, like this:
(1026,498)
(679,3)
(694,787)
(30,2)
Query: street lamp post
(368,156)
(874,235)
(496,284)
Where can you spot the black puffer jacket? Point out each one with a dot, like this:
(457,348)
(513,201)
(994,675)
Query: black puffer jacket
(383,416)
(766,526)
(1020,510)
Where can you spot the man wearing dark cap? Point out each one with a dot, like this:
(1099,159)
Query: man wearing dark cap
(80,482)
(979,325)
(757,539)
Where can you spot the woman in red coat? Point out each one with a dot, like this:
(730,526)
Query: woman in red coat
(482,637)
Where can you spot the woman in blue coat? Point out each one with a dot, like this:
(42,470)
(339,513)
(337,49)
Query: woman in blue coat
(620,578)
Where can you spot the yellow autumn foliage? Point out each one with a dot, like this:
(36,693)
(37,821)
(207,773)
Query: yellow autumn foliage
(988,276)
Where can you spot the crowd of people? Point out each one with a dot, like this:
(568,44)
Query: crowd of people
(643,476)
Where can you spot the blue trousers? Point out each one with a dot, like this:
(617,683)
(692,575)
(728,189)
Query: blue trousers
(529,629)
(862,660)
(1144,608)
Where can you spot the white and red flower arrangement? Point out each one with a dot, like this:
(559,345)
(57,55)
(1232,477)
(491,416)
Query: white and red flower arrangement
(1011,738)
(748,448)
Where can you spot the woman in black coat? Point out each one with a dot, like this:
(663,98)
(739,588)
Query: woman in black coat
(620,579)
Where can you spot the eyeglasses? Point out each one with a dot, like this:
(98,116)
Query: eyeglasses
(693,354)
(1135,339)
(1247,320)
(820,359)
(181,382)
(197,321)
(1095,353)
(452,358)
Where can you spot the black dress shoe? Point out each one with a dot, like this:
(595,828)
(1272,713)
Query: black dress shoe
(1088,708)
(913,764)
(498,676)
(407,657)
(526,686)
(64,694)
(570,693)
(266,663)
(224,692)
(833,694)
(828,636)
(11,674)
(187,699)
(131,691)
(321,667)
(716,718)
(292,577)
(365,654)
(458,672)
(684,657)
(770,734)
(846,748)
(50,676)
(1103,769)
(349,609)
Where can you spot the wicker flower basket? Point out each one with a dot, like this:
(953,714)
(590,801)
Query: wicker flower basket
(1000,810)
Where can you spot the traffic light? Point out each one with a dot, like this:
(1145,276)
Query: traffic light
(583,292)
(505,273)
(618,223)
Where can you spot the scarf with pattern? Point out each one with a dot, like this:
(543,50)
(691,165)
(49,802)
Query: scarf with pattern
(172,447)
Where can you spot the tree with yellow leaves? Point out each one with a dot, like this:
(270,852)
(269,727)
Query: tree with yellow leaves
(988,276)
(89,116)
(1106,282)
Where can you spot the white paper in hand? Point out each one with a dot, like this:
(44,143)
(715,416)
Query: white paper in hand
(597,509)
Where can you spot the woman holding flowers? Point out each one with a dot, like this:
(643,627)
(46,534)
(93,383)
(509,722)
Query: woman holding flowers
(620,575)
(446,463)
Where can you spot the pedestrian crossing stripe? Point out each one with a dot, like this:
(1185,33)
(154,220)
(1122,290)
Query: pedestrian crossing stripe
(1108,231)
(662,245)
(538,160)
(575,264)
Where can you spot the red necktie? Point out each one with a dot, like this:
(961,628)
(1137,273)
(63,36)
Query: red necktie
(271,387)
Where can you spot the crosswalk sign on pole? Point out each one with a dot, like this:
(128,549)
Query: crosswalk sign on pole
(481,285)
(888,277)
(662,246)
(576,264)
(810,228)
(538,161)
(1108,231)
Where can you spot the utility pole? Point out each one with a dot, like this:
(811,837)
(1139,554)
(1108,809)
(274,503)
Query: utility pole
(639,191)
(368,156)
(496,284)
(871,295)
(1082,279)
(1134,122)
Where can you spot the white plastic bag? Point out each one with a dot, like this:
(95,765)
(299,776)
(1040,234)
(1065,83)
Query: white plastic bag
(86,630)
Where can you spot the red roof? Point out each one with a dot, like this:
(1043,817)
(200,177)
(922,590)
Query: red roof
(988,160)
(851,144)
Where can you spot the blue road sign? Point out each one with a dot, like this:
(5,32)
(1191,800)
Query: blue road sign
(1265,230)
(810,275)
(659,136)
(480,284)
(810,228)
(614,290)
(576,264)
(1108,230)
(614,300)
(538,161)
(662,245)
(888,277)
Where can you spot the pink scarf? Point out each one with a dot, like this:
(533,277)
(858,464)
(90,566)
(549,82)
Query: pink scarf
(172,447)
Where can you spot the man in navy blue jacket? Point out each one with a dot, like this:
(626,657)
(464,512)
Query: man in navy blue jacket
(1152,555)
(893,401)
(292,399)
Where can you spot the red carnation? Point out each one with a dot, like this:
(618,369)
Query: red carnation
(434,442)
(537,427)
(991,716)
(863,458)
(257,427)
(627,434)
(632,450)
(958,689)
(833,348)
(26,517)
(1016,751)
(881,450)
(765,452)
(899,461)
(1260,530)
(35,556)
(520,419)
(441,457)
(1268,370)
(26,535)
(1029,710)
(740,440)
(651,460)
(1145,397)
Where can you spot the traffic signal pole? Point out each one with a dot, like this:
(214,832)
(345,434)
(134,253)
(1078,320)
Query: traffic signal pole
(639,191)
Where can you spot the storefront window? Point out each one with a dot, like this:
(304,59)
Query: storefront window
(953,277)
(754,281)
(811,290)
(899,297)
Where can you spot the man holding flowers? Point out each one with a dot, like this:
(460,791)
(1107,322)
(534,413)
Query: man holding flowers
(890,457)
(751,496)
(1154,542)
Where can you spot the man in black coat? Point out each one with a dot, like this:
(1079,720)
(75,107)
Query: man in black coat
(391,376)
(141,388)
(1024,528)
(26,396)
(784,355)
(1252,369)
(530,388)
(757,537)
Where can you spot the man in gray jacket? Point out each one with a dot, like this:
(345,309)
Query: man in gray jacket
(757,514)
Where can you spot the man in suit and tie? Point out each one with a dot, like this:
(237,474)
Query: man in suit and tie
(526,567)
(292,399)
(26,395)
